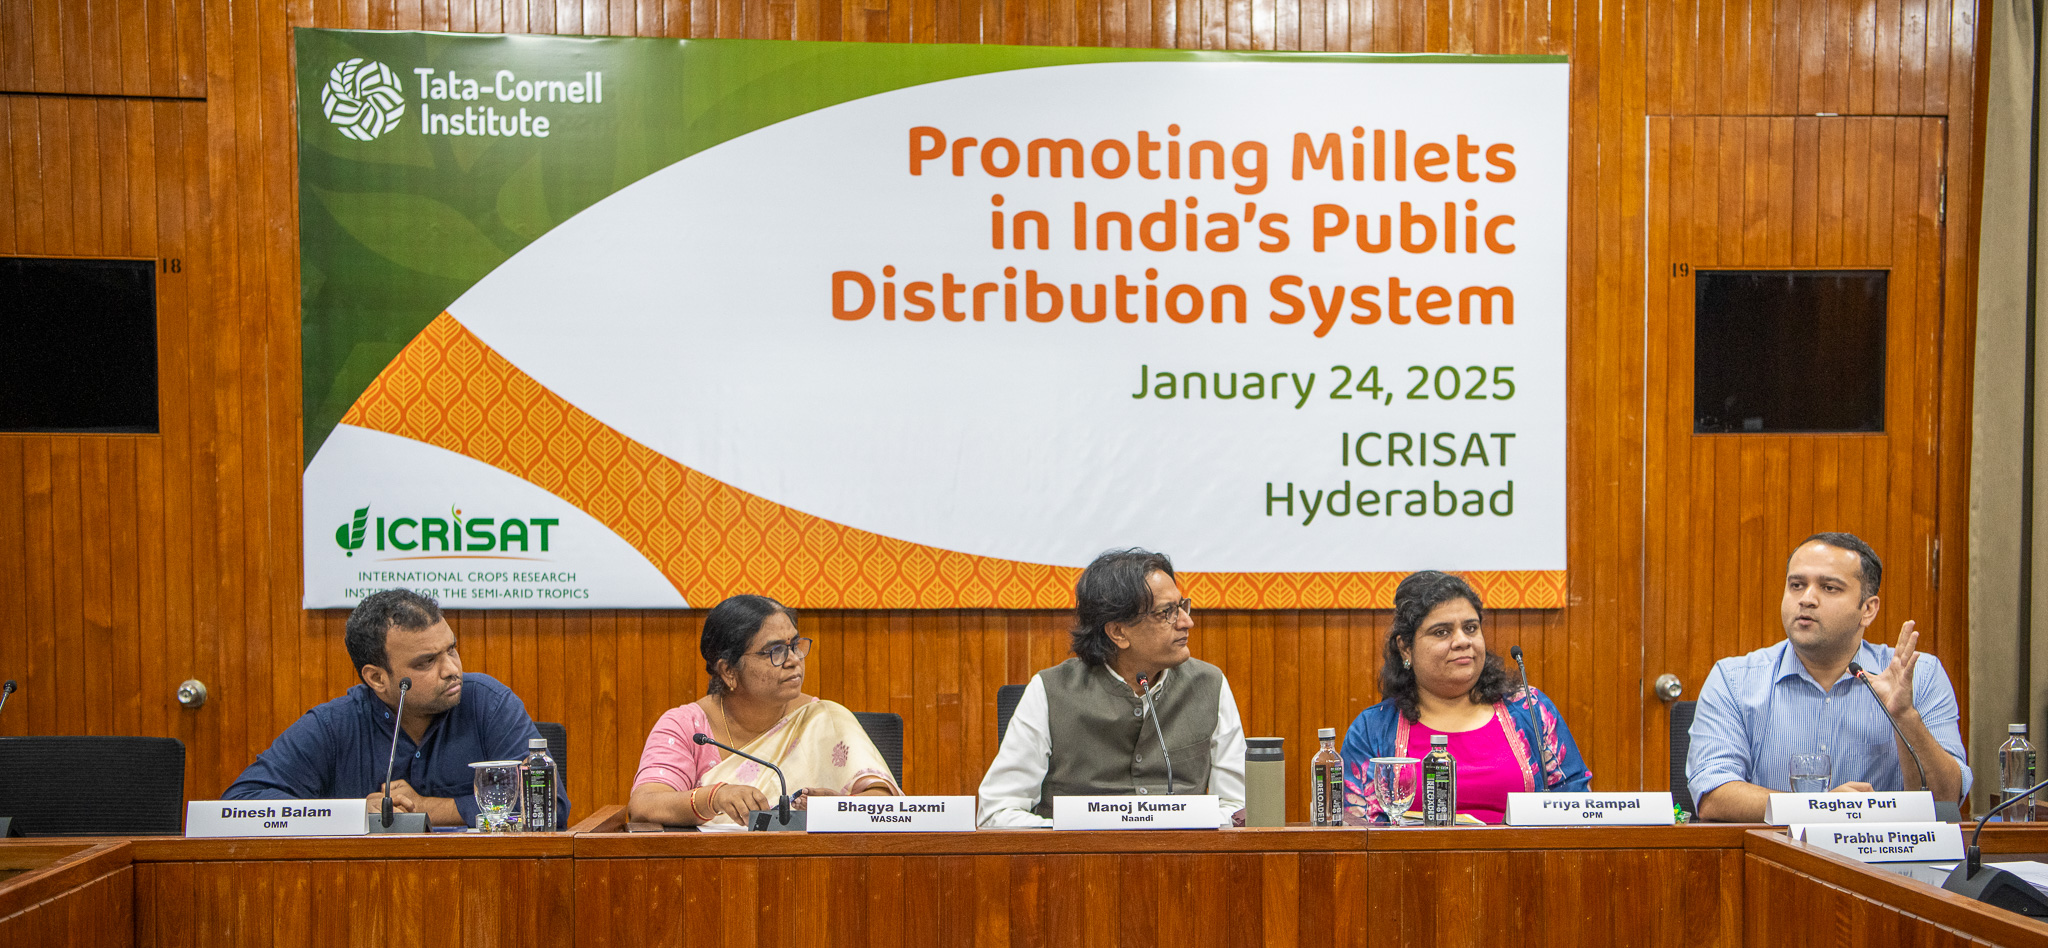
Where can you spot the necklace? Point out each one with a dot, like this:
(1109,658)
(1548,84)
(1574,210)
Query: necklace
(731,736)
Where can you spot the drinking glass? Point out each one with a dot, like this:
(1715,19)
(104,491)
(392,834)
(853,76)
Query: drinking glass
(497,785)
(1812,773)
(1393,782)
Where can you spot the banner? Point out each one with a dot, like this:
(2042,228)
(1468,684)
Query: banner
(608,323)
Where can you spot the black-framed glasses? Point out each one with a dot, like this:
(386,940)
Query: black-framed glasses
(779,653)
(1165,613)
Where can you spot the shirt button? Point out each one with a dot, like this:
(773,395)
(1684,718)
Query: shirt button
(1141,790)
(1138,759)
(415,755)
(1138,712)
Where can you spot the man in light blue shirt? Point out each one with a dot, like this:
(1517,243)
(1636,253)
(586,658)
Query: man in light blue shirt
(1797,697)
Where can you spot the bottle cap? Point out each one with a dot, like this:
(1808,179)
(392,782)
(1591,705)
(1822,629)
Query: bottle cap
(1326,733)
(537,743)
(2015,729)
(1439,740)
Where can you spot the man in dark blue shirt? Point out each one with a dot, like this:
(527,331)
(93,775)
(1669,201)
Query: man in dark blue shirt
(340,748)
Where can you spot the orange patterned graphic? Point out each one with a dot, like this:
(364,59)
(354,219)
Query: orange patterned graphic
(713,540)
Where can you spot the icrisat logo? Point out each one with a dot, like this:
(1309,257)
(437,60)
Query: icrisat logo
(362,98)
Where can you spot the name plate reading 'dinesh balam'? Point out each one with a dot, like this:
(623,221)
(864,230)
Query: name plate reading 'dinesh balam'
(1142,811)
(1590,809)
(891,814)
(1886,842)
(1898,806)
(276,818)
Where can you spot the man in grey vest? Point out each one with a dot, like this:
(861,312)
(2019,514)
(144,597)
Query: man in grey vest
(1085,726)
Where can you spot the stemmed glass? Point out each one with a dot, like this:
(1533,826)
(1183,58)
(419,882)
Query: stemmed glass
(497,785)
(1393,782)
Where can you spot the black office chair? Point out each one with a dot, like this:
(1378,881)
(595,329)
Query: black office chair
(1681,740)
(1006,705)
(558,747)
(885,729)
(93,786)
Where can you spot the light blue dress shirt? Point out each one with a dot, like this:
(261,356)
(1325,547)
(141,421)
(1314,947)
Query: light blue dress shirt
(1757,710)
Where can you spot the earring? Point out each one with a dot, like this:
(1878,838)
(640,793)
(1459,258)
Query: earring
(1406,663)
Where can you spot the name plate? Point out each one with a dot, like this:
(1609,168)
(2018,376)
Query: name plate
(1896,806)
(276,817)
(1886,842)
(1590,809)
(891,814)
(1137,811)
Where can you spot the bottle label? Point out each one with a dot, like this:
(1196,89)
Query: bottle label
(540,799)
(1319,796)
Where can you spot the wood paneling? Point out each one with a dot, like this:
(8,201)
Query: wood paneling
(129,564)
(1724,511)
(68,894)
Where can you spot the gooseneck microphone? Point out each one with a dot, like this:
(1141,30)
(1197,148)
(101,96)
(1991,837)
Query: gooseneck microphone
(1863,676)
(1151,711)
(6,690)
(1542,749)
(782,805)
(1991,884)
(404,685)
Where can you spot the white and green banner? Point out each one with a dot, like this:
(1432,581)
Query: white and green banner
(637,323)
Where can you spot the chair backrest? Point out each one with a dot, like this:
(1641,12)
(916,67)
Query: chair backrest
(1681,740)
(885,729)
(93,786)
(558,747)
(1006,705)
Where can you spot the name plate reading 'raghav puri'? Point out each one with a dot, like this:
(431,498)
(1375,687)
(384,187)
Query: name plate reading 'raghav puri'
(1590,809)
(1897,806)
(891,814)
(1886,842)
(276,818)
(1141,811)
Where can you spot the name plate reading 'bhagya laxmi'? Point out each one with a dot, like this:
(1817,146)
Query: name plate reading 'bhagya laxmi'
(1886,842)
(1896,806)
(891,814)
(1140,811)
(1590,809)
(276,818)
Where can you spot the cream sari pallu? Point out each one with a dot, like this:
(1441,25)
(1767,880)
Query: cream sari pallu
(818,745)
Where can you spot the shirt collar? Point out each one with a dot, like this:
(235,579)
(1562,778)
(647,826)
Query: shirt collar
(1789,665)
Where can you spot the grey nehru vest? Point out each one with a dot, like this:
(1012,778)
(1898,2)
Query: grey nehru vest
(1101,744)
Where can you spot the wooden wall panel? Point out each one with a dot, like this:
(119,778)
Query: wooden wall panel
(129,564)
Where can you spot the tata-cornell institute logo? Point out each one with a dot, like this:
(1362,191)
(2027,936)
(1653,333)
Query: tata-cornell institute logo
(454,533)
(362,98)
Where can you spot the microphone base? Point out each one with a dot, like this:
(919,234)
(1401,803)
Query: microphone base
(400,823)
(1998,888)
(766,821)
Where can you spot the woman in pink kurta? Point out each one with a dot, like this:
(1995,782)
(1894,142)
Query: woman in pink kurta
(756,660)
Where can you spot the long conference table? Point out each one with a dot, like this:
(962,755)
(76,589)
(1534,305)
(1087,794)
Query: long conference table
(596,886)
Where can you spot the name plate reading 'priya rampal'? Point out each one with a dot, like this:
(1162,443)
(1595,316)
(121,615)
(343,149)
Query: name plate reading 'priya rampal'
(1885,842)
(891,814)
(1590,809)
(1896,806)
(1139,811)
(276,817)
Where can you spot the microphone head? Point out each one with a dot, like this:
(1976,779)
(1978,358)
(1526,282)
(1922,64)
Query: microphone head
(1855,669)
(1516,651)
(8,688)
(700,738)
(405,684)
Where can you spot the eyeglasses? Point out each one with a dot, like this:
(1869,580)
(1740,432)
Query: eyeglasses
(1165,613)
(778,654)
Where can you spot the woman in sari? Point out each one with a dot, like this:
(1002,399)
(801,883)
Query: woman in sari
(756,703)
(1438,678)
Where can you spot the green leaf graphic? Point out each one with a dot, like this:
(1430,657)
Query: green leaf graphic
(350,535)
(417,233)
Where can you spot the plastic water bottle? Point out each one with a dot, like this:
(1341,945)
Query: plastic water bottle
(1439,784)
(2016,773)
(538,778)
(1326,781)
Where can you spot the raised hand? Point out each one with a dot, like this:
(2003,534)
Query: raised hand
(1894,685)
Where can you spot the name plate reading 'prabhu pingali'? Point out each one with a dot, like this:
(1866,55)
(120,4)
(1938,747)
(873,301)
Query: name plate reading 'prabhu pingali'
(1590,809)
(276,817)
(1895,806)
(1139,811)
(1885,842)
(891,814)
